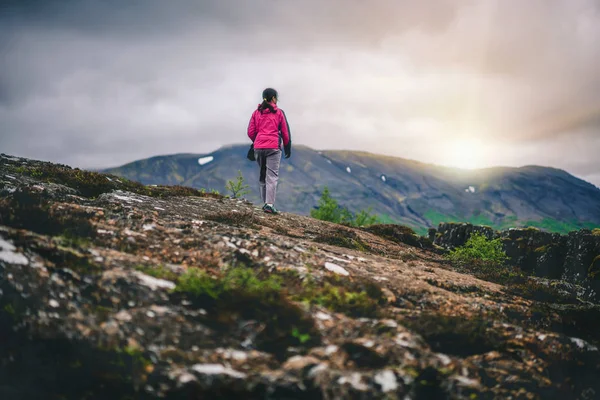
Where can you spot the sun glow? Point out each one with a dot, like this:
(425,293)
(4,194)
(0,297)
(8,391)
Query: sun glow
(465,153)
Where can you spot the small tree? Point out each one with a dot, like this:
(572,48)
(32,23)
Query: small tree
(237,188)
(365,218)
(327,209)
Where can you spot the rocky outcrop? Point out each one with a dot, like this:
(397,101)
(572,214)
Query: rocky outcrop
(572,257)
(111,289)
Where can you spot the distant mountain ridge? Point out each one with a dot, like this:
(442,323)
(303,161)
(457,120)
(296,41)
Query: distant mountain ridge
(399,190)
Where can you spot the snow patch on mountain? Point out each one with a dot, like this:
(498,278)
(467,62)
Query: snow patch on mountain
(205,160)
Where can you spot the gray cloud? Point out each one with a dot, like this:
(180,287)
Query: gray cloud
(97,83)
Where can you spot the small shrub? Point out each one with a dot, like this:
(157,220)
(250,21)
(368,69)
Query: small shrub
(238,188)
(365,218)
(479,248)
(328,209)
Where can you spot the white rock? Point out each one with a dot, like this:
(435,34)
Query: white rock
(53,303)
(125,198)
(355,380)
(336,269)
(383,178)
(466,381)
(217,369)
(348,170)
(9,177)
(444,358)
(582,344)
(387,380)
(9,255)
(338,259)
(154,283)
(322,316)
(185,378)
(148,227)
(124,316)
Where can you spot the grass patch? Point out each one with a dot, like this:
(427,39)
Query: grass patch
(242,293)
(357,298)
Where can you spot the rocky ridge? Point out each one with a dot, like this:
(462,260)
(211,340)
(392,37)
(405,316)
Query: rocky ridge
(113,289)
(574,257)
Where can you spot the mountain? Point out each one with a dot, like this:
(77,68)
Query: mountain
(398,190)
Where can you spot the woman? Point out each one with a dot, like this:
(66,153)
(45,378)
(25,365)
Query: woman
(267,129)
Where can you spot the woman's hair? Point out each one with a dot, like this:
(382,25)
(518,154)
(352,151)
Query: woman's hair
(268,94)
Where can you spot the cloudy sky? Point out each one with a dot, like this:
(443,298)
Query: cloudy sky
(467,83)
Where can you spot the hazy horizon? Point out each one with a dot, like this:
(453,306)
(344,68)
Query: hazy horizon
(466,84)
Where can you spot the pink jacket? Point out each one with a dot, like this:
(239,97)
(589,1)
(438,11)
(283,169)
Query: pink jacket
(264,128)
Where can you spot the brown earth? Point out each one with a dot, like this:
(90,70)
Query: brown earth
(112,289)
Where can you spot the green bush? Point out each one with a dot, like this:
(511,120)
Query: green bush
(328,209)
(479,249)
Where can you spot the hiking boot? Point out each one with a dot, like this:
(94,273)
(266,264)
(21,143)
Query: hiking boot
(270,209)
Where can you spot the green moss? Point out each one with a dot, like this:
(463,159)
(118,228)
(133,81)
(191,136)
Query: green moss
(594,269)
(251,295)
(358,298)
(541,249)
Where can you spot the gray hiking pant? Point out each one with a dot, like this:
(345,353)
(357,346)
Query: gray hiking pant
(268,160)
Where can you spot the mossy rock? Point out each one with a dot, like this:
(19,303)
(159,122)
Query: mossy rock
(399,234)
(594,269)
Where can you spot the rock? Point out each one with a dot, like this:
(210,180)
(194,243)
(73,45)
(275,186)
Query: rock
(336,269)
(298,363)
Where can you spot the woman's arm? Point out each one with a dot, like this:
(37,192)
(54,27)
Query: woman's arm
(252,128)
